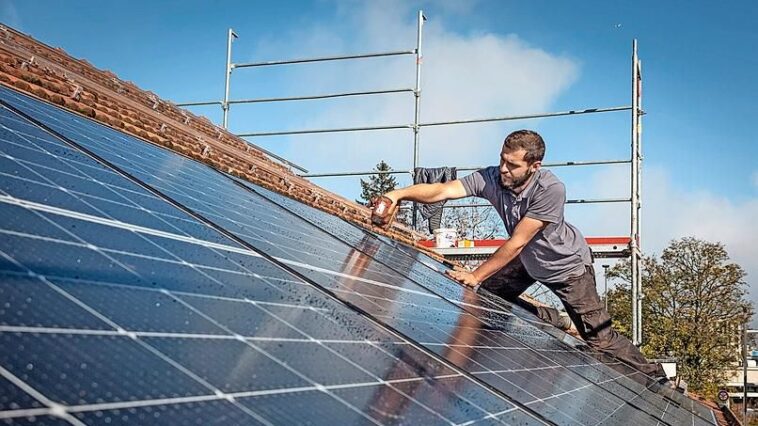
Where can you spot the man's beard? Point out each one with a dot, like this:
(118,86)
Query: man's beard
(515,184)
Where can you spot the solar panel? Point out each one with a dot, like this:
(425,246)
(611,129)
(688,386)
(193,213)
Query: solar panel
(475,333)
(668,407)
(119,308)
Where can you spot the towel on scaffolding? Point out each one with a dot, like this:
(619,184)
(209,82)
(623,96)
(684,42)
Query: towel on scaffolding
(433,212)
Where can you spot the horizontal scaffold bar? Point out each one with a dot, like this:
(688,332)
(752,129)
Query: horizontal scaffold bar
(574,201)
(324,96)
(323,59)
(398,172)
(336,130)
(526,117)
(441,123)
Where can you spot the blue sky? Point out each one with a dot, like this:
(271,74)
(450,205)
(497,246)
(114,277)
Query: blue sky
(482,58)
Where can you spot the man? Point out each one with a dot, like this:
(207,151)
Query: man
(542,246)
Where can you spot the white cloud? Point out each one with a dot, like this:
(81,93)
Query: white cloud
(468,76)
(670,212)
(463,76)
(455,8)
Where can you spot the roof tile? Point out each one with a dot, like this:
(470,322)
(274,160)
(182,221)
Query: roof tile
(49,73)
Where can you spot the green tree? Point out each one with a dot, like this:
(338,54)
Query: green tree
(694,305)
(377,184)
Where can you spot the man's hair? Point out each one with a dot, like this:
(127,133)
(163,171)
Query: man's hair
(529,141)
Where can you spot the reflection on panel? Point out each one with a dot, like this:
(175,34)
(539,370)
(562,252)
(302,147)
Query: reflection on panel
(122,309)
(505,353)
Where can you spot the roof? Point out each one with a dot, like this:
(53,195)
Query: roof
(52,75)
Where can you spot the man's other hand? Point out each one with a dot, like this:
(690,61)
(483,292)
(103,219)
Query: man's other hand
(463,277)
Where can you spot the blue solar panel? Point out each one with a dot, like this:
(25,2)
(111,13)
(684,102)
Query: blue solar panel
(151,316)
(220,412)
(630,385)
(475,333)
(626,383)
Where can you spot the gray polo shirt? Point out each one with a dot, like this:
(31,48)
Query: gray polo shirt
(559,251)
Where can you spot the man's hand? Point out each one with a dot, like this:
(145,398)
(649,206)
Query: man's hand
(463,277)
(383,210)
(392,195)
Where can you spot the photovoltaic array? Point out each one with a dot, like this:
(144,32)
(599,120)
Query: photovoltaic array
(138,286)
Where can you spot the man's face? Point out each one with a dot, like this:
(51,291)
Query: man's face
(514,170)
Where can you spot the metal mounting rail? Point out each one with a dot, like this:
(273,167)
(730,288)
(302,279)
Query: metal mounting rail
(279,158)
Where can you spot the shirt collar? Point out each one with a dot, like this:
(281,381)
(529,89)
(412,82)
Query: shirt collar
(529,186)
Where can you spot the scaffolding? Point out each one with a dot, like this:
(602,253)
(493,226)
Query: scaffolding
(635,159)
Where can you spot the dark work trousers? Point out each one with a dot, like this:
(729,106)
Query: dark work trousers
(583,305)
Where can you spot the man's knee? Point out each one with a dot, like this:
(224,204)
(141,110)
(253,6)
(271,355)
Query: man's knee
(509,282)
(596,328)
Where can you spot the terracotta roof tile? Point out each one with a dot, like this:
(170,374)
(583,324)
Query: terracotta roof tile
(50,74)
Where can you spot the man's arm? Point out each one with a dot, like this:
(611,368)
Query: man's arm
(526,229)
(429,192)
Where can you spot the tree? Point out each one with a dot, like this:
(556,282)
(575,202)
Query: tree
(693,309)
(473,223)
(379,184)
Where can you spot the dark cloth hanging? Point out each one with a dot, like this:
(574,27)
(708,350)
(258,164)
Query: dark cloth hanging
(433,212)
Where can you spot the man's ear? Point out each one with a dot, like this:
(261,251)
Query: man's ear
(536,165)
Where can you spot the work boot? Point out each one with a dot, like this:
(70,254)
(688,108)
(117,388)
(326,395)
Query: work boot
(678,384)
(564,322)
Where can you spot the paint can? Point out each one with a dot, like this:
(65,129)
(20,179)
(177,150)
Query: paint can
(445,237)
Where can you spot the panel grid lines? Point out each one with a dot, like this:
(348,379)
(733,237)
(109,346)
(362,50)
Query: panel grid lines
(121,331)
(495,355)
(137,337)
(347,225)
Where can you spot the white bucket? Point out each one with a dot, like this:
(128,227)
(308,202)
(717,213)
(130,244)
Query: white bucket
(445,237)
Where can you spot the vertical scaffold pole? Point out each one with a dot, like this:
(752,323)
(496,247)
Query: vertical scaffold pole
(225,105)
(417,99)
(633,228)
(640,113)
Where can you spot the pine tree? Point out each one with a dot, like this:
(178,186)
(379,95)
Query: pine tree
(377,184)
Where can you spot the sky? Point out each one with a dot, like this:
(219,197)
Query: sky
(481,59)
